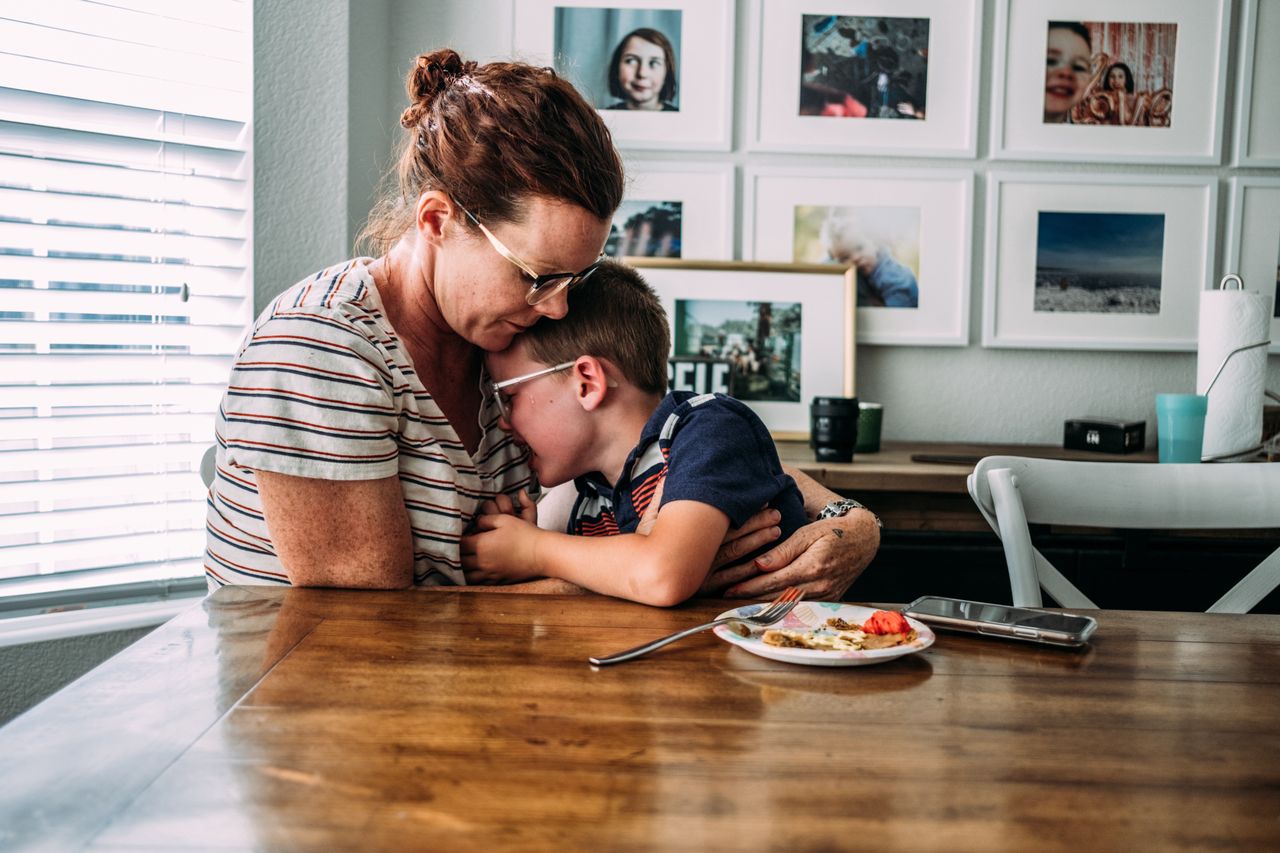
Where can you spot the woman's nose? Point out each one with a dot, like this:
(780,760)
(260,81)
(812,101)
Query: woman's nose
(554,307)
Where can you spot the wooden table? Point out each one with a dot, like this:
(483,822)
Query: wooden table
(326,720)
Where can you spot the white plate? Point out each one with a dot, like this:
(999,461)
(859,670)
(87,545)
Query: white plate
(809,615)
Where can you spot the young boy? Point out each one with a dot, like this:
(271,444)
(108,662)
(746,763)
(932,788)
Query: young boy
(587,394)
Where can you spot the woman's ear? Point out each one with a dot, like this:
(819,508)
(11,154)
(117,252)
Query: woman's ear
(591,382)
(432,214)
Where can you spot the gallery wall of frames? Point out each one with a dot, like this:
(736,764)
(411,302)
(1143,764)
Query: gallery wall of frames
(1101,259)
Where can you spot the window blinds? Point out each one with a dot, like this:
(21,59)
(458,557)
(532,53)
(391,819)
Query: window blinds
(125,223)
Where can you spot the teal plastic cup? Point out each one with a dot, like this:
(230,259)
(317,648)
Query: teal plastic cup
(1180,426)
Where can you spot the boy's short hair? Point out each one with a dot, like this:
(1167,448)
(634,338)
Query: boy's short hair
(614,314)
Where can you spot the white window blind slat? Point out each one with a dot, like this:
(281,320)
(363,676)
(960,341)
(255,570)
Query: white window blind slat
(214,14)
(160,337)
(105,460)
(192,397)
(88,115)
(48,558)
(90,179)
(95,52)
(125,283)
(98,491)
(48,206)
(57,78)
(107,244)
(128,25)
(124,367)
(18,270)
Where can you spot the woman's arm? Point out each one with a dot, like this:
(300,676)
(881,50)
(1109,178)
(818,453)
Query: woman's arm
(342,533)
(824,557)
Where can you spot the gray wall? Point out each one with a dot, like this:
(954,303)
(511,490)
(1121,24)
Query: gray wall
(303,144)
(31,672)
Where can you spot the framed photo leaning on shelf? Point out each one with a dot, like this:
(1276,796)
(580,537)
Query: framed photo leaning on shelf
(871,77)
(1253,241)
(786,329)
(907,236)
(1110,80)
(1098,262)
(660,72)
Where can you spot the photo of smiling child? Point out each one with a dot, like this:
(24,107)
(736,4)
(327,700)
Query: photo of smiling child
(1108,73)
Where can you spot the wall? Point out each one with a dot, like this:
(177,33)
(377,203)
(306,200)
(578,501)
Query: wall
(944,394)
(31,672)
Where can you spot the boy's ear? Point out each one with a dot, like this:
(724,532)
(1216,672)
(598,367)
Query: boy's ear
(591,383)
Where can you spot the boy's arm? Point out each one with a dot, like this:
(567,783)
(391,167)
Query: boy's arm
(664,568)
(824,557)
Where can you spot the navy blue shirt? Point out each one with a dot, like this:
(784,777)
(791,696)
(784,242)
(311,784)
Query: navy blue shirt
(708,448)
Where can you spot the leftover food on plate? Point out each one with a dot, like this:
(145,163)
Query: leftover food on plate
(883,630)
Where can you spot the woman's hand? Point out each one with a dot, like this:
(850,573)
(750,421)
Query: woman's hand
(823,558)
(501,504)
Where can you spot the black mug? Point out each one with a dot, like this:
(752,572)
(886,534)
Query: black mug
(833,428)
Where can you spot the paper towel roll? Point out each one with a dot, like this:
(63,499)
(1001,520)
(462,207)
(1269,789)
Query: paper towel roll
(1230,319)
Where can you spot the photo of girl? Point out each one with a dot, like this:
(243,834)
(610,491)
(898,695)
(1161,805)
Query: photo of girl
(1105,73)
(642,72)
(621,59)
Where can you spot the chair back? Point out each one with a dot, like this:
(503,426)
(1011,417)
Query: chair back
(1012,492)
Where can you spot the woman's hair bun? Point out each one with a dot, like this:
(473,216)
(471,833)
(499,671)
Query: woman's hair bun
(431,74)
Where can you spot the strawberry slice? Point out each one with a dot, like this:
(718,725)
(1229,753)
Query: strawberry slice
(886,622)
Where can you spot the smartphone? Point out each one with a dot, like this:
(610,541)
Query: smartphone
(1002,620)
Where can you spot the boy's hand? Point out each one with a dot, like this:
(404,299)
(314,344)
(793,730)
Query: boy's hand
(502,549)
(502,504)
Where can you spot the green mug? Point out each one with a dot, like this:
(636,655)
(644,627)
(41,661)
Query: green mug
(870,416)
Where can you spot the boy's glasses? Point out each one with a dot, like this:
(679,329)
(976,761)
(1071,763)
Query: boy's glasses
(545,286)
(504,401)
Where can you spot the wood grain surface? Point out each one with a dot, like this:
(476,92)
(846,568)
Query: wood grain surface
(324,720)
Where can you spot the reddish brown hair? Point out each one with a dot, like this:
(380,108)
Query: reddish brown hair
(491,136)
(614,314)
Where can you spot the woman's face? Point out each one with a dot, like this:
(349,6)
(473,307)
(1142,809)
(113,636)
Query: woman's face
(1066,73)
(1116,79)
(642,71)
(482,296)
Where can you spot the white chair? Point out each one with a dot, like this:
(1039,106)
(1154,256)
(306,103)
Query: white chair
(1014,491)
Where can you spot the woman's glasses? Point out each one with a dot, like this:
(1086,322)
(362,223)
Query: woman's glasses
(504,401)
(544,286)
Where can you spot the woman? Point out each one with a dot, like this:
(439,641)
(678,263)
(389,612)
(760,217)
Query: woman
(354,443)
(1068,62)
(642,72)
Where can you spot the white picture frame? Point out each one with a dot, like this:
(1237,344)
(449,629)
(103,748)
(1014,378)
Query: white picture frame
(1015,204)
(949,128)
(1257,117)
(825,294)
(944,200)
(1019,129)
(704,56)
(1253,241)
(705,192)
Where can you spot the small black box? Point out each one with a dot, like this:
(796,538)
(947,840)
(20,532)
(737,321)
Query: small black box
(1104,434)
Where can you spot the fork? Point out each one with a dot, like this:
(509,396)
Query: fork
(767,615)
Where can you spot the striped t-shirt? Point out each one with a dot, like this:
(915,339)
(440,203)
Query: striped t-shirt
(322,388)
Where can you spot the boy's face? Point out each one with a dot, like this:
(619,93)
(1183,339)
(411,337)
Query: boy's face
(545,415)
